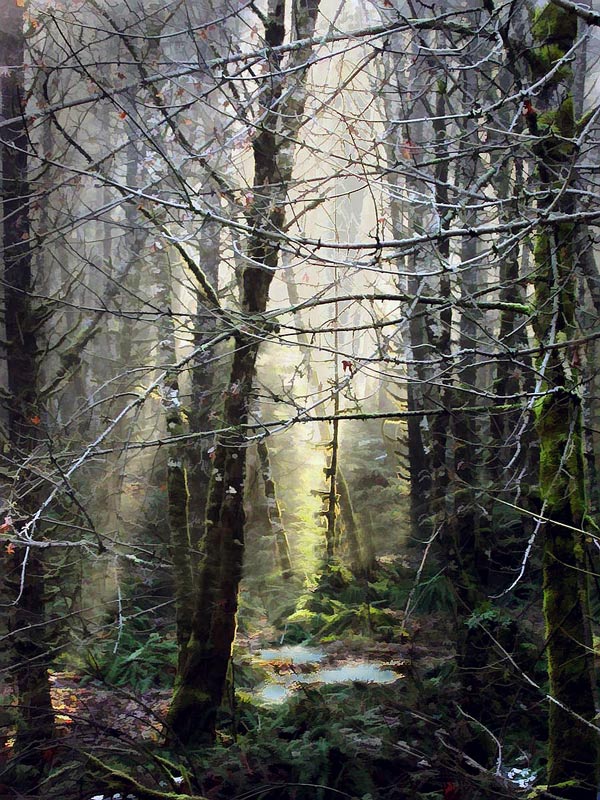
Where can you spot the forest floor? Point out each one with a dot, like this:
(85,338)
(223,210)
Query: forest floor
(90,711)
(402,740)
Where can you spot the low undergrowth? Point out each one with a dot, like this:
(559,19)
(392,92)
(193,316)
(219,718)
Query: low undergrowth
(399,741)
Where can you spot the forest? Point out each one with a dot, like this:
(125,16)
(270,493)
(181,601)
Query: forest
(299,400)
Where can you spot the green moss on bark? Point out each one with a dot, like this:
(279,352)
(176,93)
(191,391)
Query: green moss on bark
(572,742)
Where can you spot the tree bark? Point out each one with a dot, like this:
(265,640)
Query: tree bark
(572,744)
(417,347)
(201,680)
(440,425)
(274,513)
(24,412)
(358,560)
(204,386)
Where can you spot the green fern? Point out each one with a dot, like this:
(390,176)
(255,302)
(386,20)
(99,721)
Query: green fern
(436,594)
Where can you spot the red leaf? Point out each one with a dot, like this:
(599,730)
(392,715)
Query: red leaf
(451,791)
(7,524)
(528,108)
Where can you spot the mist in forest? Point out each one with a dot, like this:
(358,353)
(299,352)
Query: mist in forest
(299,399)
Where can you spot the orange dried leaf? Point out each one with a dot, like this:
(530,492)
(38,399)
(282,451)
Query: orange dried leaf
(10,548)
(35,420)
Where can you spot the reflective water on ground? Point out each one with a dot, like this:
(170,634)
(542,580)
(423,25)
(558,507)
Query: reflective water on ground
(292,661)
(298,653)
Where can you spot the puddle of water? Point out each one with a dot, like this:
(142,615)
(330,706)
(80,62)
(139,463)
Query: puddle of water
(298,653)
(368,672)
(284,685)
(274,692)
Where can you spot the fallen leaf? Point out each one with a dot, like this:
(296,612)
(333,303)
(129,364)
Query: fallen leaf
(8,522)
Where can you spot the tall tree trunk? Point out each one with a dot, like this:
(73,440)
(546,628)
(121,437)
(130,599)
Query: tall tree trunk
(21,400)
(274,512)
(204,385)
(201,680)
(417,346)
(513,446)
(177,481)
(511,435)
(572,744)
(331,473)
(440,425)
(467,539)
(363,548)
(358,561)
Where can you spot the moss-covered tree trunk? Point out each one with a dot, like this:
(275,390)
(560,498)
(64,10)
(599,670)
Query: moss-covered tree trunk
(202,672)
(352,532)
(361,551)
(572,744)
(201,678)
(282,544)
(22,404)
(331,498)
(177,481)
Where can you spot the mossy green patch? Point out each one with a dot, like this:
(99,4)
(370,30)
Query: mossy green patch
(554,25)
